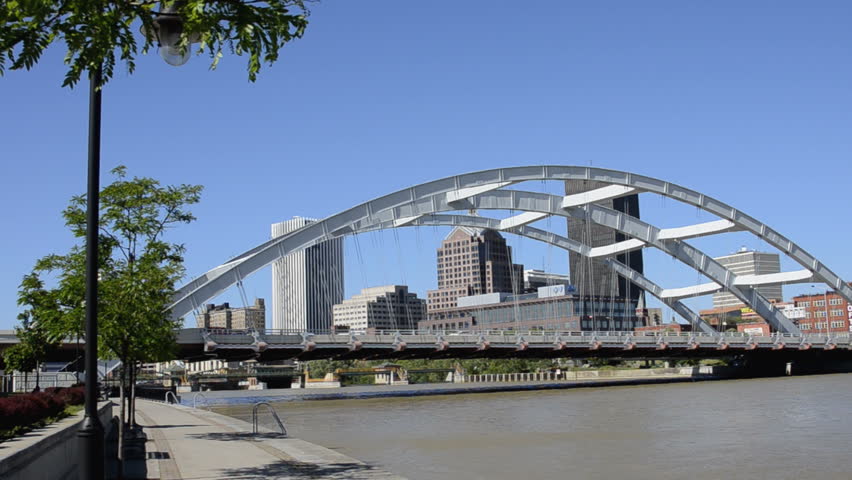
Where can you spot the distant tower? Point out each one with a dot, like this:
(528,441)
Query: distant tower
(749,262)
(306,284)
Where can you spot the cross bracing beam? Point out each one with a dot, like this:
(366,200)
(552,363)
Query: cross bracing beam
(597,195)
(209,286)
(698,230)
(782,278)
(616,248)
(691,291)
(552,239)
(521,220)
(464,193)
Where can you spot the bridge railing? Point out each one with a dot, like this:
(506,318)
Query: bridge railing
(345,335)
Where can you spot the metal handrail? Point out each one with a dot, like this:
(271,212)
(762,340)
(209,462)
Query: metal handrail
(173,396)
(514,333)
(274,415)
(195,401)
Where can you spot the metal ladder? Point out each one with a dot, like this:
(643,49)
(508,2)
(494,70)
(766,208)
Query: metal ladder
(173,396)
(195,401)
(274,415)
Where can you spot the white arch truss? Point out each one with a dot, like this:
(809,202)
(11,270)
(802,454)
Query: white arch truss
(483,188)
(543,205)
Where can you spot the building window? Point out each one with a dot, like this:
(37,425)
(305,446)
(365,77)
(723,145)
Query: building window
(819,303)
(836,313)
(837,324)
(803,304)
(805,326)
(820,325)
(820,314)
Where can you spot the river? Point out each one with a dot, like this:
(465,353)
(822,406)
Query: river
(775,428)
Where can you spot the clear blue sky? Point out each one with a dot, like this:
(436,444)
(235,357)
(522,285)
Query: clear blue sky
(748,101)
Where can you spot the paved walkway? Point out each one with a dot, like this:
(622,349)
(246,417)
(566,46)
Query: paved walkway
(186,443)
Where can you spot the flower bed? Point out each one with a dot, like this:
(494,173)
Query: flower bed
(21,412)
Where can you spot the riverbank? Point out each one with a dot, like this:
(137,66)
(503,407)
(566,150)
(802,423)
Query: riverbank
(582,379)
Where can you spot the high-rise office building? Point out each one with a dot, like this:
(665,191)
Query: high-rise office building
(306,284)
(472,262)
(749,262)
(591,276)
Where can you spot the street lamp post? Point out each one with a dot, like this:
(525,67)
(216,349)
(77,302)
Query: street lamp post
(91,433)
(167,31)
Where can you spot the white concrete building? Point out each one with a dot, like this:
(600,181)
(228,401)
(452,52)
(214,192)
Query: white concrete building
(749,262)
(306,284)
(388,307)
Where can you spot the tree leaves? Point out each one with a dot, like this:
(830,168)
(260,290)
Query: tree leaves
(104,32)
(137,268)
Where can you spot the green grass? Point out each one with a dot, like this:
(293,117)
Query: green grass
(18,431)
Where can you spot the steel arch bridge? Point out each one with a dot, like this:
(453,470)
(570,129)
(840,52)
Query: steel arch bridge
(430,203)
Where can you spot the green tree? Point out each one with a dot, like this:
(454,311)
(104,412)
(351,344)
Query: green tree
(99,33)
(34,337)
(138,270)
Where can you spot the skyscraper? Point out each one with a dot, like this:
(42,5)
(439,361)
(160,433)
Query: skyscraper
(306,284)
(749,262)
(472,262)
(593,276)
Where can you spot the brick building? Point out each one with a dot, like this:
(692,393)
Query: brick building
(473,262)
(224,316)
(824,312)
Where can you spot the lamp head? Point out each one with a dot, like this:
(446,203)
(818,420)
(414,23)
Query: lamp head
(167,31)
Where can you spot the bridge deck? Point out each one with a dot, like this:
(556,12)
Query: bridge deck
(273,344)
(200,344)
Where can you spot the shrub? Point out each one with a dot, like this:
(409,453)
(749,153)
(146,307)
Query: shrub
(28,409)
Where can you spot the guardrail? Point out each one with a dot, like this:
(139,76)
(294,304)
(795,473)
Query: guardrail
(529,333)
(176,399)
(195,401)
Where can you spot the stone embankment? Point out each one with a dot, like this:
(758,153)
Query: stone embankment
(685,372)
(471,384)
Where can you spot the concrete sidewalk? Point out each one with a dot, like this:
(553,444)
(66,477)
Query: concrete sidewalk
(186,443)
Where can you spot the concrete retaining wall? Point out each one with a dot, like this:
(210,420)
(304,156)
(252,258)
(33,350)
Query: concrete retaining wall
(592,374)
(50,453)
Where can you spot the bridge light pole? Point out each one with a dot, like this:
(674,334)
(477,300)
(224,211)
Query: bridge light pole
(168,27)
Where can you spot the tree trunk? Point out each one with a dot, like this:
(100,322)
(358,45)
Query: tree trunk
(121,418)
(77,362)
(38,387)
(133,397)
